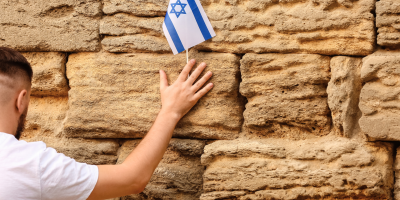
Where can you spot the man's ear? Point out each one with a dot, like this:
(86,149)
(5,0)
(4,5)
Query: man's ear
(22,101)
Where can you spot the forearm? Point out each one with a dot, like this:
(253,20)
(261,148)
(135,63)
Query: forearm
(135,172)
(146,156)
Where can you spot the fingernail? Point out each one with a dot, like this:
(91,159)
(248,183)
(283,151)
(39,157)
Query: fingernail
(203,64)
(211,85)
(193,61)
(209,73)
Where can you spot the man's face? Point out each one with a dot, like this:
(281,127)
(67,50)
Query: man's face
(21,124)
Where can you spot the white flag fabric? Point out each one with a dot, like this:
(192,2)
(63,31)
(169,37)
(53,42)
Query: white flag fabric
(186,25)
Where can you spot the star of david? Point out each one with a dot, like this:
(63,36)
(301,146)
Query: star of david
(178,3)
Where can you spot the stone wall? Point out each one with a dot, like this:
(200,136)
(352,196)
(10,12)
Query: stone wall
(305,104)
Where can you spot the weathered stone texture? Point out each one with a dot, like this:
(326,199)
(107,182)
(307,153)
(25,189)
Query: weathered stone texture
(343,93)
(286,95)
(49,78)
(128,33)
(379,101)
(388,22)
(44,123)
(327,168)
(137,7)
(179,174)
(330,27)
(36,25)
(117,95)
(124,24)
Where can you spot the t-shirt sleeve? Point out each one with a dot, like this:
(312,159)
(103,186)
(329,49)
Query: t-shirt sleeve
(63,178)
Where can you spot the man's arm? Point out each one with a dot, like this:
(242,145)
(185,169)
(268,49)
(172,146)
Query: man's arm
(135,172)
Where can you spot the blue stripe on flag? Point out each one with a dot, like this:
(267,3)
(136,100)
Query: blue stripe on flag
(199,19)
(174,35)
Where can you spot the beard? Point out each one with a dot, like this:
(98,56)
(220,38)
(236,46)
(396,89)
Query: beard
(21,125)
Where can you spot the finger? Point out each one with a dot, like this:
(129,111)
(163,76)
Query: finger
(203,91)
(186,70)
(201,82)
(163,80)
(196,73)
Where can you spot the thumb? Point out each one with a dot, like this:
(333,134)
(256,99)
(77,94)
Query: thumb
(163,80)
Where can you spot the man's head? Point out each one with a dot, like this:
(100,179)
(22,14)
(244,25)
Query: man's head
(15,86)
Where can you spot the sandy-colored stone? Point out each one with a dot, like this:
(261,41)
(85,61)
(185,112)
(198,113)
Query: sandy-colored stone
(128,33)
(117,95)
(179,174)
(135,43)
(125,24)
(323,168)
(343,93)
(286,95)
(329,27)
(148,8)
(379,101)
(49,78)
(36,25)
(44,123)
(388,22)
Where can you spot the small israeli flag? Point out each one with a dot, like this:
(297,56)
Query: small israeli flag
(186,25)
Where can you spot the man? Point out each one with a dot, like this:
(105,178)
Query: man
(32,171)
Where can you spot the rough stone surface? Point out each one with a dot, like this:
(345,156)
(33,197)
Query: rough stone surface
(137,7)
(49,78)
(44,123)
(286,95)
(324,168)
(124,24)
(343,93)
(36,25)
(128,33)
(329,27)
(379,101)
(388,22)
(117,95)
(178,176)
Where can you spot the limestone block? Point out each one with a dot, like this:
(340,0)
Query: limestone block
(343,93)
(125,24)
(36,25)
(379,101)
(128,33)
(388,22)
(286,95)
(44,123)
(49,78)
(179,174)
(323,168)
(117,95)
(329,27)
(148,8)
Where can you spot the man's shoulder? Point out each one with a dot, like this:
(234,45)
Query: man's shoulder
(11,147)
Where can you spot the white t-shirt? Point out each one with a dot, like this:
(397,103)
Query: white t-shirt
(32,171)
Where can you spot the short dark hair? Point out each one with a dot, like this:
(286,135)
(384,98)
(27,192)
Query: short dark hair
(13,63)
